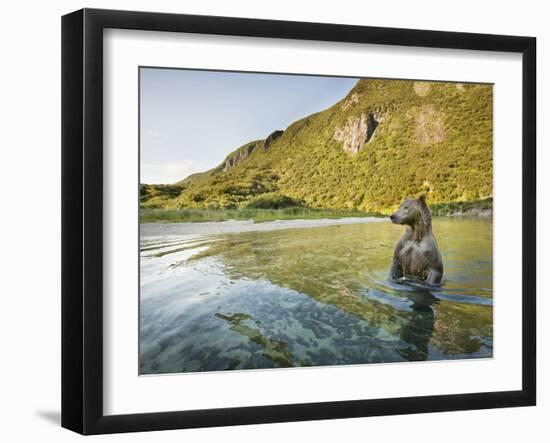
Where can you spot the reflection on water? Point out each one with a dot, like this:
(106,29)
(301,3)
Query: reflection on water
(308,297)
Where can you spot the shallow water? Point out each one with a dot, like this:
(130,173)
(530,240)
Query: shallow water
(238,295)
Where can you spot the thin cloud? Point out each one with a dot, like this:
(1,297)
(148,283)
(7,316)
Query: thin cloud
(167,173)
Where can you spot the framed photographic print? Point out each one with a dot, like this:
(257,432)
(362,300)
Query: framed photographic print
(269,221)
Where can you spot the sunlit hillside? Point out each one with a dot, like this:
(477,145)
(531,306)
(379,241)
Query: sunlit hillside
(385,140)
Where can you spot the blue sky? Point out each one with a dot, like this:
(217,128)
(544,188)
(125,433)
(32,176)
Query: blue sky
(191,120)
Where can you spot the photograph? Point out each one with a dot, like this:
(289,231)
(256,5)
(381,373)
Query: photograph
(291,220)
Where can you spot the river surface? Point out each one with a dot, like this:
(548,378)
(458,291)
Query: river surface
(243,295)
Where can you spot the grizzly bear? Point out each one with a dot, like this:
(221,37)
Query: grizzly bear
(416,254)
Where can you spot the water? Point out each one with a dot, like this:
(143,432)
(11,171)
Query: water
(238,295)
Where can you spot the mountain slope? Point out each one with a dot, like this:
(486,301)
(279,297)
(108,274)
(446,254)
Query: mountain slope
(385,140)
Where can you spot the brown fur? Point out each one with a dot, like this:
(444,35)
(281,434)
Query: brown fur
(416,254)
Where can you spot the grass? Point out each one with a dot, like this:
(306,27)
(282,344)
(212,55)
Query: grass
(257,215)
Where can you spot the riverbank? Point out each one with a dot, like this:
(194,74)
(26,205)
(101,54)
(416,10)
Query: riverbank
(477,208)
(256,215)
(241,226)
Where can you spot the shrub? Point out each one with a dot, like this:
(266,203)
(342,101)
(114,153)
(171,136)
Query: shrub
(272,200)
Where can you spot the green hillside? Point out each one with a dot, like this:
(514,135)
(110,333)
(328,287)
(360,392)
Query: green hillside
(385,140)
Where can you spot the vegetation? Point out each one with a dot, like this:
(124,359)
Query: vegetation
(259,214)
(407,137)
(157,196)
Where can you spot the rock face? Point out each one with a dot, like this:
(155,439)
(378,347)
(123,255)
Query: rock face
(422,89)
(429,126)
(372,124)
(245,151)
(354,98)
(428,123)
(238,156)
(356,132)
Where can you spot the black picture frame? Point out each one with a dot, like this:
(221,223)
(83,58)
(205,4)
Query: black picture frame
(82,218)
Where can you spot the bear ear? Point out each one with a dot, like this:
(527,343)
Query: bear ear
(422,199)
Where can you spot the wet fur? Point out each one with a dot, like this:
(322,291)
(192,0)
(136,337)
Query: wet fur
(416,254)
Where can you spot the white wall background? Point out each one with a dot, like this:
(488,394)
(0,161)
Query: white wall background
(30,218)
